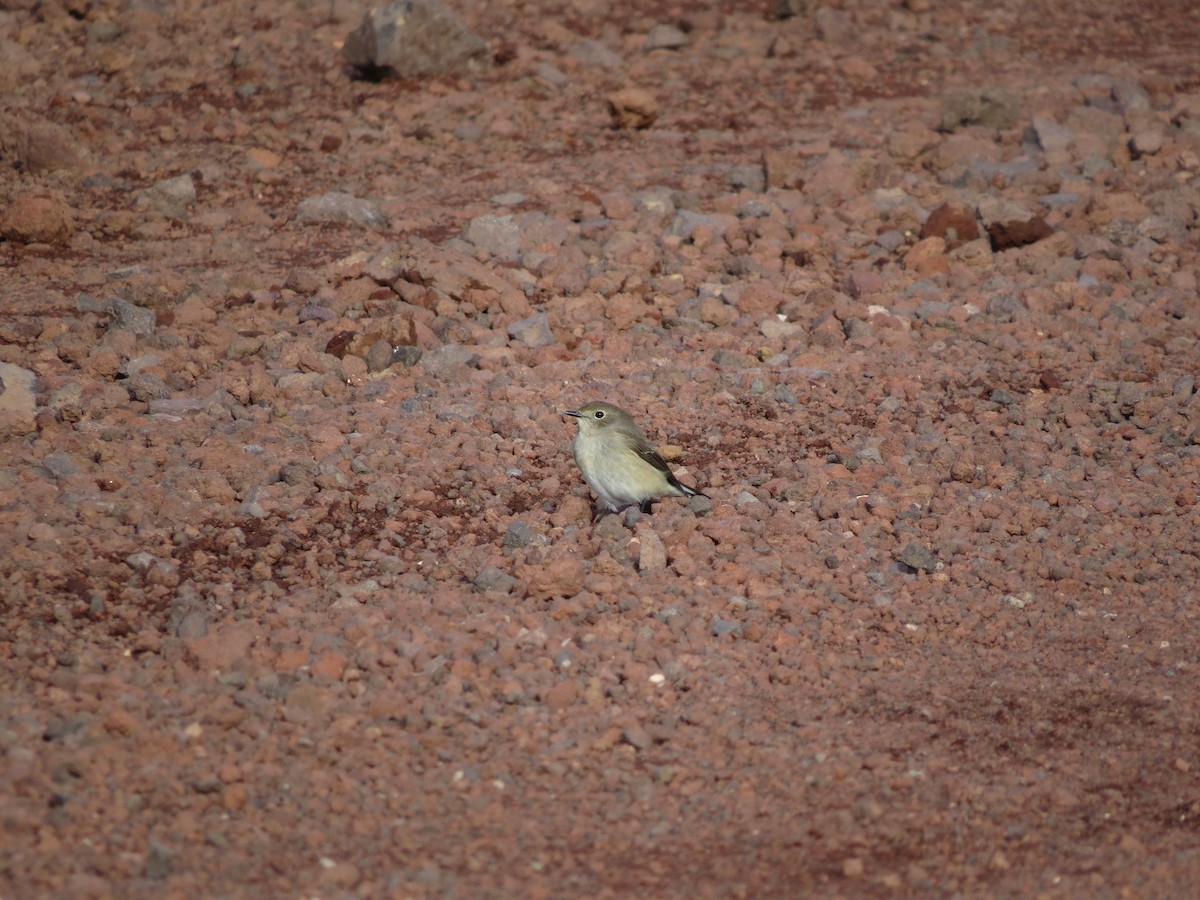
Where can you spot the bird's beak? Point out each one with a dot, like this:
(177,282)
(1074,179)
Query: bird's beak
(572,412)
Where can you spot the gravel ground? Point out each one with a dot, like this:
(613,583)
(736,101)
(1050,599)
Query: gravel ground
(301,590)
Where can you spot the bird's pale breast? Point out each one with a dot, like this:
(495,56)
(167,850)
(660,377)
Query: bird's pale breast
(618,475)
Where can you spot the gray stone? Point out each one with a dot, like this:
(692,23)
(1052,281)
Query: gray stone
(457,412)
(28,144)
(67,401)
(722,627)
(551,74)
(748,178)
(756,208)
(448,271)
(140,561)
(379,356)
(1050,136)
(687,222)
(498,236)
(131,367)
(870,455)
(299,381)
(159,861)
(732,359)
(145,387)
(656,200)
(1006,307)
(517,534)
(469,130)
(61,465)
(1097,91)
(104,32)
(314,313)
(1059,199)
(991,109)
(1097,121)
(637,737)
(834,26)
(175,406)
(509,198)
(88,303)
(406,355)
(855,327)
(890,241)
(930,310)
(917,557)
(1130,96)
(193,625)
(542,237)
(532,331)
(123,314)
(887,200)
(775,328)
(1015,168)
(785,395)
(1146,142)
(338,206)
(787,9)
(171,197)
(491,578)
(414,39)
(387,264)
(665,37)
(594,53)
(444,360)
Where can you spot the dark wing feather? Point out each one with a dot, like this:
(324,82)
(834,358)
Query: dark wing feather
(647,451)
(643,448)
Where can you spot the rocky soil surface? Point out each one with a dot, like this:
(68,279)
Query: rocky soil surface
(301,592)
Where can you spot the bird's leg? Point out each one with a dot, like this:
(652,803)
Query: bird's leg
(647,507)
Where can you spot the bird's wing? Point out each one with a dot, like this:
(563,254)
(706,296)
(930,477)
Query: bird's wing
(647,451)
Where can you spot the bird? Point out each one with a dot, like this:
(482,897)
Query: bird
(618,461)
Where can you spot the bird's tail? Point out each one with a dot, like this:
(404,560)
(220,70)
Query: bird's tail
(686,489)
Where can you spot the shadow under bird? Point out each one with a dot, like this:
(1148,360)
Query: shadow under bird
(619,462)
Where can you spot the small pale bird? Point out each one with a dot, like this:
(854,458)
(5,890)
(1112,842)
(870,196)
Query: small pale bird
(619,462)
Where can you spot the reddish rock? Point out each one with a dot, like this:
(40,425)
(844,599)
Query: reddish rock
(31,144)
(652,555)
(783,170)
(330,665)
(264,601)
(37,219)
(562,695)
(927,257)
(952,221)
(1009,224)
(223,647)
(632,108)
(562,577)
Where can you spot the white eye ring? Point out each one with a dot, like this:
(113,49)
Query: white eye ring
(599,414)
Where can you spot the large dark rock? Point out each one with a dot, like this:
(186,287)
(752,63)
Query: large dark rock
(414,38)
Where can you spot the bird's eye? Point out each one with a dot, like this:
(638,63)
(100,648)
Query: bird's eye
(599,414)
